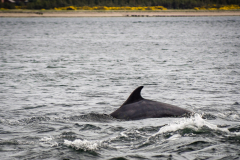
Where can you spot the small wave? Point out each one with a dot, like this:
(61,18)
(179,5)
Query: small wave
(195,122)
(49,141)
(9,142)
(209,116)
(55,66)
(38,106)
(92,117)
(34,119)
(46,139)
(230,116)
(88,127)
(174,137)
(84,144)
(9,122)
(68,135)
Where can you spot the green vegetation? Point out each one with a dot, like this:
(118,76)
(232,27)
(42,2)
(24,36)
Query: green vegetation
(169,4)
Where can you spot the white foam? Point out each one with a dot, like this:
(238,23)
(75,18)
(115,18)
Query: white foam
(48,140)
(222,115)
(83,144)
(236,133)
(174,137)
(123,134)
(195,122)
(234,116)
(228,116)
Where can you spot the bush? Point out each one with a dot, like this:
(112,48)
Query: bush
(170,4)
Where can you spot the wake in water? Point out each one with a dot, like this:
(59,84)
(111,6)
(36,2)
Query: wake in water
(85,144)
(184,127)
(162,137)
(195,122)
(98,134)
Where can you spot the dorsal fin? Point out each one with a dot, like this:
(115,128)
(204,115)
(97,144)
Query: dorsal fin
(135,96)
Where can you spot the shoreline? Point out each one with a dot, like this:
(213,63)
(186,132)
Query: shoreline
(167,13)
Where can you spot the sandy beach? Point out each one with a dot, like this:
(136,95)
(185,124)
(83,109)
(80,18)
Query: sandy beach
(168,13)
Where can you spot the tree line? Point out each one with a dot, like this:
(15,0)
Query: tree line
(169,4)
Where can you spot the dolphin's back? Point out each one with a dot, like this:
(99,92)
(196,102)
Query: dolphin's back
(136,107)
(148,109)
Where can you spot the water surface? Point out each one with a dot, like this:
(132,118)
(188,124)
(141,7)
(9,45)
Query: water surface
(61,77)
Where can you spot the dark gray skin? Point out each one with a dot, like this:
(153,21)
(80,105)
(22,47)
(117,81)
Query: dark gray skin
(136,107)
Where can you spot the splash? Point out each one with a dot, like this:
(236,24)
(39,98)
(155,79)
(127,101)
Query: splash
(195,122)
(84,144)
(46,139)
(174,137)
(229,116)
(49,141)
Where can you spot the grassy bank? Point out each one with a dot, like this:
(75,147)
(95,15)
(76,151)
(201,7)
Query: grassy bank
(120,13)
(125,9)
(91,4)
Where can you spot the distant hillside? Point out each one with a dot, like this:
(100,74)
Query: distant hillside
(170,4)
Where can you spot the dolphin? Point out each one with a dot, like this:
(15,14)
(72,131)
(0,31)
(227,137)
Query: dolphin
(136,107)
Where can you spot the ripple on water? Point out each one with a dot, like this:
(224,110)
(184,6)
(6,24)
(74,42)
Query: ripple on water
(62,77)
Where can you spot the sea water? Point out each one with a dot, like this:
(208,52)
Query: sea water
(60,78)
